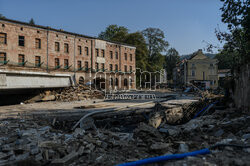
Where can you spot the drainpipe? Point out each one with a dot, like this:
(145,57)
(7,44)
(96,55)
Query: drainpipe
(47,49)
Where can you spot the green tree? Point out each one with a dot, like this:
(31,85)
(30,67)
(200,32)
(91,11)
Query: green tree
(114,33)
(1,16)
(32,22)
(172,58)
(236,14)
(155,40)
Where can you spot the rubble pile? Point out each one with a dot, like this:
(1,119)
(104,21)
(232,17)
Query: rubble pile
(77,93)
(34,142)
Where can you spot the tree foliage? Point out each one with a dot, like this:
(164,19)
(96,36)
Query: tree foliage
(236,14)
(32,22)
(155,40)
(172,58)
(2,16)
(114,33)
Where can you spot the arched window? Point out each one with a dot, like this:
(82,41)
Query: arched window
(81,80)
(125,82)
(116,82)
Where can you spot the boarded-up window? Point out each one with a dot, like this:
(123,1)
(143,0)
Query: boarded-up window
(38,43)
(57,46)
(57,62)
(66,48)
(66,63)
(3,38)
(21,59)
(21,41)
(86,51)
(80,50)
(79,65)
(3,57)
(37,61)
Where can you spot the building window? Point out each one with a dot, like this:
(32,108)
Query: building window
(3,58)
(116,82)
(193,73)
(66,63)
(57,63)
(38,43)
(21,40)
(111,81)
(87,51)
(97,66)
(79,65)
(96,52)
(3,38)
(125,82)
(21,60)
(57,46)
(116,67)
(116,55)
(125,68)
(79,50)
(37,61)
(86,64)
(103,53)
(126,56)
(66,47)
(103,67)
(111,54)
(130,68)
(111,67)
(131,57)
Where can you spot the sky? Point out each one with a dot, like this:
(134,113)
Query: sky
(185,23)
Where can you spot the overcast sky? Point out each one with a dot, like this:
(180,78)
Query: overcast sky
(186,23)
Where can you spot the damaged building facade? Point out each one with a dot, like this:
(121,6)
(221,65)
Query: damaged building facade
(104,64)
(199,70)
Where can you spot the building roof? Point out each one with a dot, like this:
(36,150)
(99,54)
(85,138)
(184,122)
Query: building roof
(61,31)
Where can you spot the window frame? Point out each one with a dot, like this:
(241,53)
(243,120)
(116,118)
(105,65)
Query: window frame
(4,38)
(21,42)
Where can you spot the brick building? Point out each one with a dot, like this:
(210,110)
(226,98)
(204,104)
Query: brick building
(90,60)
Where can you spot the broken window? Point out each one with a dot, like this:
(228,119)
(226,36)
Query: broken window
(38,43)
(3,38)
(111,54)
(66,48)
(80,50)
(125,56)
(37,61)
(21,40)
(96,52)
(57,46)
(87,51)
(116,55)
(79,65)
(21,59)
(57,63)
(3,58)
